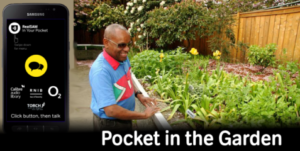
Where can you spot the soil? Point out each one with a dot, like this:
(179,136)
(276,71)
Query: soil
(255,73)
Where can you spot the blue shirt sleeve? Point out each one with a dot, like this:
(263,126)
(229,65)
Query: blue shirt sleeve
(102,88)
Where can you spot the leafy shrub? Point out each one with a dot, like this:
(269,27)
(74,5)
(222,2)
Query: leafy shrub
(263,56)
(181,21)
(148,62)
(83,10)
(105,15)
(136,13)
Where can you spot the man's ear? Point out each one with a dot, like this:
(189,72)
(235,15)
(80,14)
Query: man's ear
(105,42)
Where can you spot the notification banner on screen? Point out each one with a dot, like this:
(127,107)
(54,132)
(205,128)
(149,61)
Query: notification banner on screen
(35,70)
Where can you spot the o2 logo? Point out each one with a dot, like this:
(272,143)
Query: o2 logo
(56,92)
(14,28)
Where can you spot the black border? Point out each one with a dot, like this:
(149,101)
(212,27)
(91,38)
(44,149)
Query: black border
(19,11)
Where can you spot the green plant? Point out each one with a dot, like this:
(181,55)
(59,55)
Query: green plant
(147,62)
(222,26)
(185,100)
(222,100)
(132,52)
(205,111)
(291,66)
(163,84)
(284,64)
(136,14)
(104,15)
(263,56)
(179,22)
(82,10)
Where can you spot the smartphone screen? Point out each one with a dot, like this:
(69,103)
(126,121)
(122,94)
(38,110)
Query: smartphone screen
(36,70)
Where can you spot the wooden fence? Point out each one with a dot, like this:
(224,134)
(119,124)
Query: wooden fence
(280,26)
(82,36)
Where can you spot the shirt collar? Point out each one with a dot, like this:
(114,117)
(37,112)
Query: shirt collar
(114,63)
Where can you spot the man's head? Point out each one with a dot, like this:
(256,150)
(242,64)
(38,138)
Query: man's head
(116,38)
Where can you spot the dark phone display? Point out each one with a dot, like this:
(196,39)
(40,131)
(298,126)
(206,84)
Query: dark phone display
(36,70)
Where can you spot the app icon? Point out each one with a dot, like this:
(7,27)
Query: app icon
(14,28)
(36,65)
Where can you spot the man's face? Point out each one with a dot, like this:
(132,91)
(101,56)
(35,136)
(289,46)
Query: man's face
(111,47)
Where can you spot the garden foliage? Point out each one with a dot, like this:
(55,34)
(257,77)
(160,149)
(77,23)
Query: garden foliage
(182,21)
(147,63)
(263,56)
(223,100)
(137,13)
(82,11)
(104,15)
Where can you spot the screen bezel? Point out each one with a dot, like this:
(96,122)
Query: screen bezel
(19,11)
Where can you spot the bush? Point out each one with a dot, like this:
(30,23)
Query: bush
(181,21)
(149,62)
(136,15)
(263,56)
(83,10)
(105,15)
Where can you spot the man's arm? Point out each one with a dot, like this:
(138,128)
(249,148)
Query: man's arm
(145,100)
(119,112)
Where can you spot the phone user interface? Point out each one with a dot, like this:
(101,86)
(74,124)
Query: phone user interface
(35,70)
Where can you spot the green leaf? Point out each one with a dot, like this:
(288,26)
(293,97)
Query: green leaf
(173,111)
(166,108)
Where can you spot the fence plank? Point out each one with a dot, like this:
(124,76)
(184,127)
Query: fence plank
(261,31)
(288,28)
(271,30)
(293,34)
(236,31)
(241,38)
(276,34)
(266,30)
(247,36)
(256,32)
(282,29)
(296,55)
(252,37)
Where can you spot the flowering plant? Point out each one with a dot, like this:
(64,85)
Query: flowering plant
(136,15)
(82,10)
(217,54)
(161,57)
(194,51)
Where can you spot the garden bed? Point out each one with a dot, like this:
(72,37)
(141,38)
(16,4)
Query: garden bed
(219,94)
(225,94)
(166,114)
(253,73)
(244,70)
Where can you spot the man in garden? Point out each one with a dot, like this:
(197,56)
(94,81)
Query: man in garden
(113,92)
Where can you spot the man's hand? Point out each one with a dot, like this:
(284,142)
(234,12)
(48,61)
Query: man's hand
(150,110)
(146,100)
